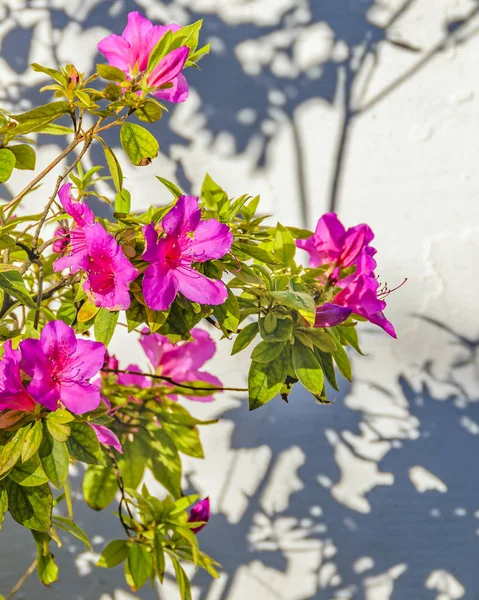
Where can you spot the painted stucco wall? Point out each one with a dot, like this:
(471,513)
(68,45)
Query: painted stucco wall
(370,108)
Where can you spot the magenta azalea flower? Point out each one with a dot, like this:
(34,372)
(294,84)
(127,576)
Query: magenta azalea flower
(109,272)
(360,292)
(82,216)
(60,246)
(107,437)
(200,513)
(13,395)
(181,362)
(332,244)
(329,315)
(130,53)
(61,366)
(186,240)
(133,380)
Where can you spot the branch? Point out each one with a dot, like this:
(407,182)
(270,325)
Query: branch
(211,388)
(22,580)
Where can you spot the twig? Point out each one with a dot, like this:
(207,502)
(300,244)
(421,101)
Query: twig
(212,388)
(22,580)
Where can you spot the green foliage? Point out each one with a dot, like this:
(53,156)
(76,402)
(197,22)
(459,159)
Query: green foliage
(271,300)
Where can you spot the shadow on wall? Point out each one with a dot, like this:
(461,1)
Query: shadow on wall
(268,58)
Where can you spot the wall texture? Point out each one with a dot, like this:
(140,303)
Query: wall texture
(369,108)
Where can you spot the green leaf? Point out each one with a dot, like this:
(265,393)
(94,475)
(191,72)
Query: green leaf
(138,143)
(186,439)
(59,431)
(123,202)
(227,314)
(249,210)
(160,50)
(284,244)
(47,568)
(56,75)
(12,450)
(67,313)
(113,166)
(110,73)
(25,156)
(299,301)
(7,164)
(265,352)
(99,486)
(39,117)
(265,380)
(140,565)
(281,333)
(159,555)
(3,502)
(105,324)
(12,283)
(55,460)
(259,254)
(114,554)
(245,337)
(149,112)
(342,360)
(29,473)
(270,322)
(327,365)
(182,579)
(84,445)
(132,464)
(172,187)
(54,129)
(32,441)
(307,368)
(319,338)
(350,335)
(31,507)
(72,528)
(165,463)
(212,194)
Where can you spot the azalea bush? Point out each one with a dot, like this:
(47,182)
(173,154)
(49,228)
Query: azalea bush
(171,275)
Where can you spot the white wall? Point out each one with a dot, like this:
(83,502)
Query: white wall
(376,496)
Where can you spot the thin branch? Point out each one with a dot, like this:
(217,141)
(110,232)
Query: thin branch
(22,580)
(211,388)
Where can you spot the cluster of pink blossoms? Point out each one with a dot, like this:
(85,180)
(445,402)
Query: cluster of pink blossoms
(180,240)
(343,249)
(180,362)
(130,53)
(59,367)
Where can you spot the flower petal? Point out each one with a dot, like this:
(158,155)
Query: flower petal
(80,397)
(208,379)
(200,512)
(117,51)
(212,239)
(57,341)
(136,33)
(329,315)
(107,437)
(133,380)
(91,358)
(160,287)
(183,217)
(179,91)
(199,288)
(169,67)
(155,346)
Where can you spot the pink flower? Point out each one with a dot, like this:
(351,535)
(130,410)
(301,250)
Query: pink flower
(61,366)
(60,246)
(181,362)
(133,380)
(200,513)
(360,292)
(13,395)
(82,216)
(95,251)
(332,244)
(107,437)
(329,315)
(130,53)
(186,240)
(109,272)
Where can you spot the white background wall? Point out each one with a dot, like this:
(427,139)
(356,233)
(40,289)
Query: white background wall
(375,497)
